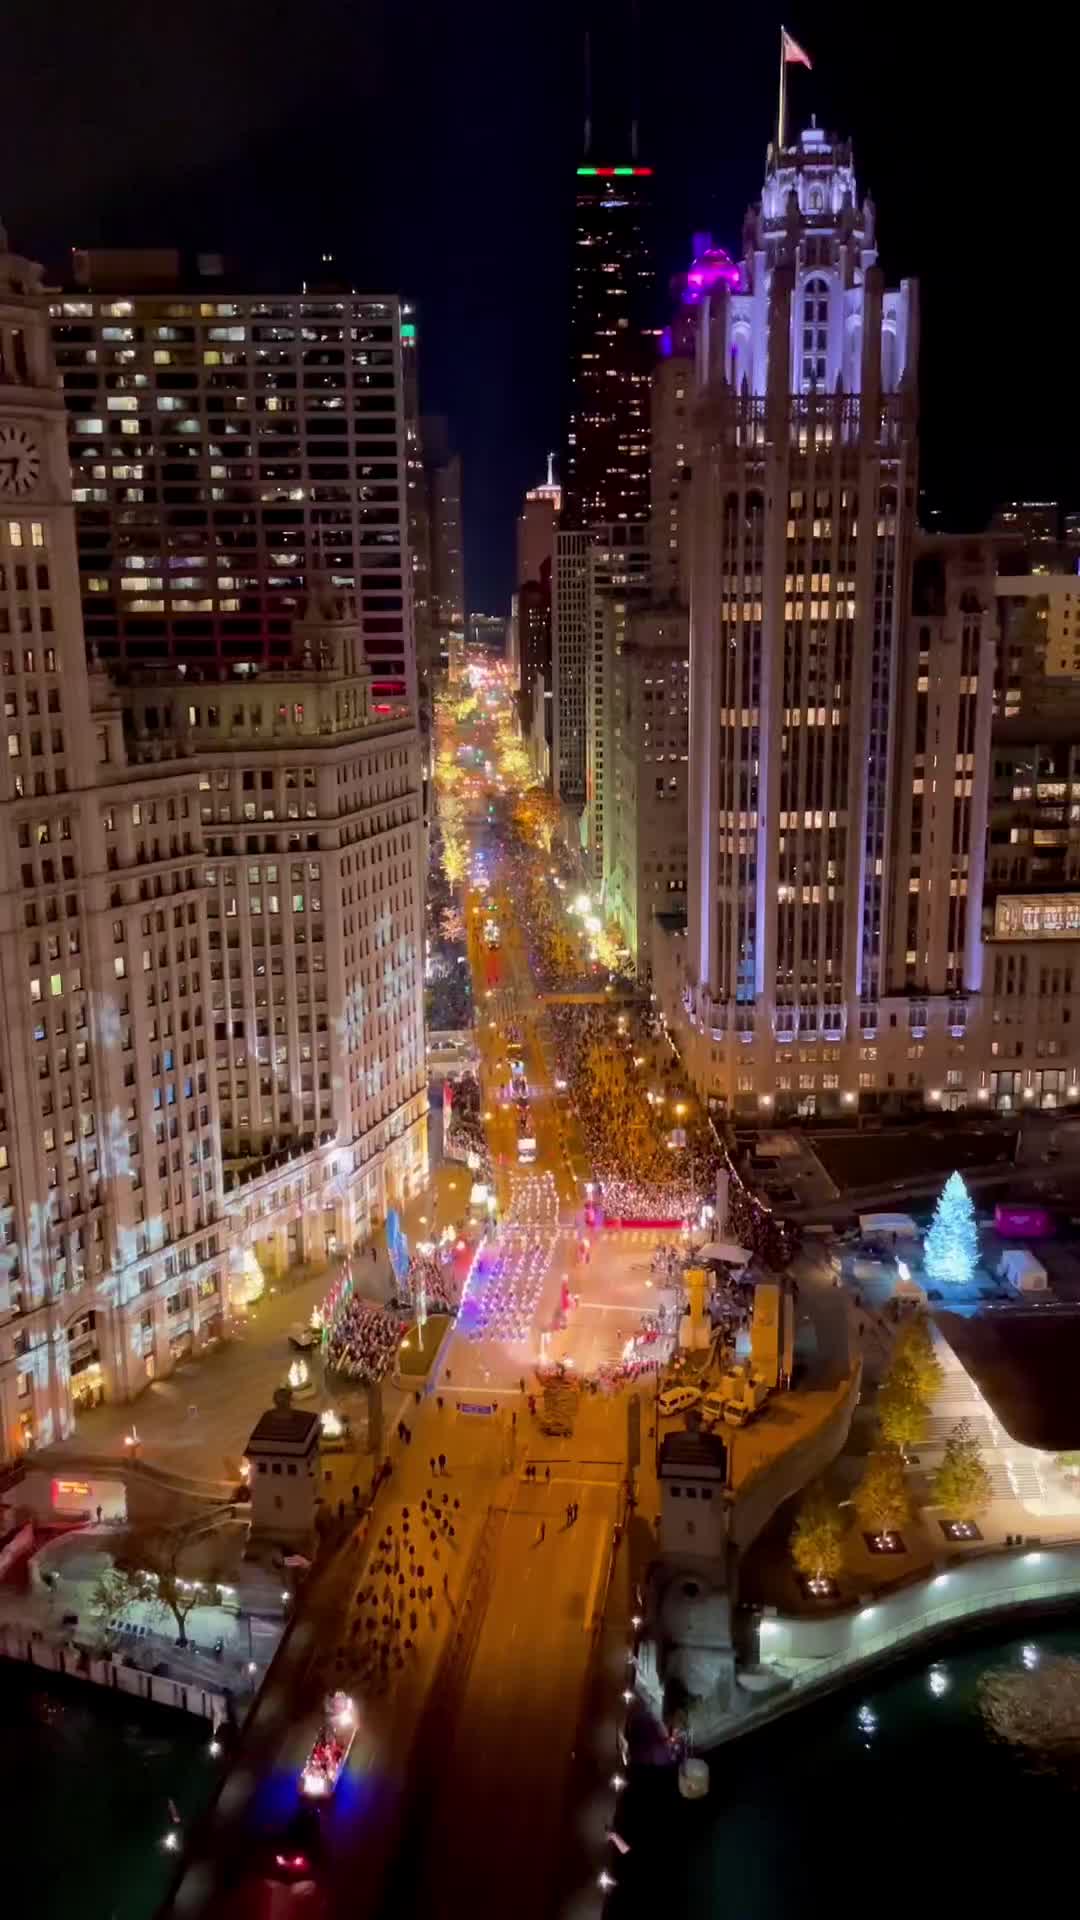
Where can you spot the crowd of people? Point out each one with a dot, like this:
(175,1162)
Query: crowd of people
(464,1137)
(405,1581)
(363,1341)
(681,1162)
(432,1276)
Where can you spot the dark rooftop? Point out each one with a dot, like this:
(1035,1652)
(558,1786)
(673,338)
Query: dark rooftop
(692,1448)
(283,1426)
(1025,1362)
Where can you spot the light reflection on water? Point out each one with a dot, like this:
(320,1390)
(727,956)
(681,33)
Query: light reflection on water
(805,1816)
(85,1784)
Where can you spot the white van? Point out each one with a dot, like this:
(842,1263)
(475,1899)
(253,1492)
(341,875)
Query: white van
(677,1400)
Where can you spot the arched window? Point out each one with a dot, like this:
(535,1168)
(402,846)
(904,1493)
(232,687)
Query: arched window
(888,359)
(817,200)
(815,331)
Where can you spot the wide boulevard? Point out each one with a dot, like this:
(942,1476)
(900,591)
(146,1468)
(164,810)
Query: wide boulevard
(457,1796)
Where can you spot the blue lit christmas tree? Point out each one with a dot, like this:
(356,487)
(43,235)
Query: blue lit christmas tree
(951,1247)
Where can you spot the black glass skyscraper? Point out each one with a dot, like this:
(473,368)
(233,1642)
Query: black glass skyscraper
(605,469)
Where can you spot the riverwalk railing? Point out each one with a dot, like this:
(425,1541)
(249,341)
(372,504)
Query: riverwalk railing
(883,1628)
(187,1696)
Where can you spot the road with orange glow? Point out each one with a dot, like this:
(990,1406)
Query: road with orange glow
(454,1798)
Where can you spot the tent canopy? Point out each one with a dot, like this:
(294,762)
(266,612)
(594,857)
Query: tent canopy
(898,1226)
(721,1250)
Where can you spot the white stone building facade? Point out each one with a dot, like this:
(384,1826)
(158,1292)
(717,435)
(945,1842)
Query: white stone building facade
(129,1040)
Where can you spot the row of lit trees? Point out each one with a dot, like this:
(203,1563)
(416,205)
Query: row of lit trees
(961,1485)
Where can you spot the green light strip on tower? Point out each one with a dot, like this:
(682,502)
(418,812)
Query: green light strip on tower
(586,169)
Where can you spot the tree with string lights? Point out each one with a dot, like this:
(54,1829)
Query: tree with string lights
(951,1247)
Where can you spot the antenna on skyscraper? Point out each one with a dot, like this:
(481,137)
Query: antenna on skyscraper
(634,80)
(588,93)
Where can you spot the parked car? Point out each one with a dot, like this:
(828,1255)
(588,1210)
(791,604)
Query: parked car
(678,1399)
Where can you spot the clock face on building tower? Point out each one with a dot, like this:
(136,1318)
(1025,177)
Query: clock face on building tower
(20,461)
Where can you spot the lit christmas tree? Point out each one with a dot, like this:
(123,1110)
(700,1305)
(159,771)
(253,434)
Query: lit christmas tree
(951,1247)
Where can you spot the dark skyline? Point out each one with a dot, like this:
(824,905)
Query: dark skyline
(434,151)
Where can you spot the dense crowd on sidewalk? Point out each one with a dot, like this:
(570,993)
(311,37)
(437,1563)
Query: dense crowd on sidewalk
(364,1340)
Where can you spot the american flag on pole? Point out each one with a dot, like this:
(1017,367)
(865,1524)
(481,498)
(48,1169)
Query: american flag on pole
(794,55)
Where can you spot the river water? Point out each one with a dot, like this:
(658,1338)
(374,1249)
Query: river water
(85,1783)
(891,1798)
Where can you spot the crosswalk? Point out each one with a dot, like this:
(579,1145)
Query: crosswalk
(636,1237)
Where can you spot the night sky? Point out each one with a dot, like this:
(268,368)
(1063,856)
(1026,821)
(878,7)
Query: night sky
(432,148)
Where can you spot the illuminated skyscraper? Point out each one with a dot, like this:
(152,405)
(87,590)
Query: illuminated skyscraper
(232,453)
(802,518)
(605,467)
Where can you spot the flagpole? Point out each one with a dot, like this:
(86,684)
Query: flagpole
(780,116)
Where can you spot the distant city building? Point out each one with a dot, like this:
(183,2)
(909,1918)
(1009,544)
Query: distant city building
(488,634)
(673,387)
(605,465)
(1036,522)
(536,526)
(646,845)
(532,615)
(607,566)
(1038,595)
(231,453)
(618,582)
(943,712)
(418,515)
(446,536)
(571,642)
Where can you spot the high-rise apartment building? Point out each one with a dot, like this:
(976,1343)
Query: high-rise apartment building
(618,582)
(531,607)
(211,1041)
(571,641)
(447,580)
(592,569)
(671,402)
(532,615)
(1038,596)
(645,851)
(233,453)
(605,466)
(944,707)
(536,525)
(418,522)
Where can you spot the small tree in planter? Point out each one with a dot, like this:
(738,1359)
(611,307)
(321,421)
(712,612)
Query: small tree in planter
(817,1537)
(962,1483)
(881,1497)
